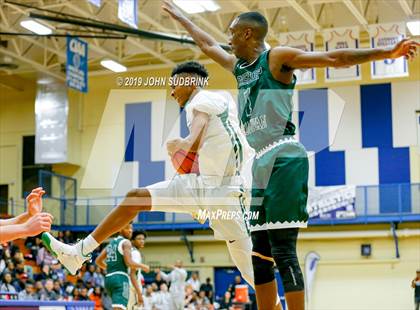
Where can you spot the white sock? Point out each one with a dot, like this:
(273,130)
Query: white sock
(88,245)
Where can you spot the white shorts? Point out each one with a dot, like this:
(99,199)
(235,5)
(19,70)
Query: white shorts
(222,200)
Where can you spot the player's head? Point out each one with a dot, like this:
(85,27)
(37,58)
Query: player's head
(247,32)
(139,238)
(127,231)
(178,263)
(183,77)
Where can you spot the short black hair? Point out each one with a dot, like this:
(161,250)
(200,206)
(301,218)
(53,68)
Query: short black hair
(139,232)
(190,67)
(257,21)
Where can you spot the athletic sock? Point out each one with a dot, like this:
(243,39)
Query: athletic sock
(88,245)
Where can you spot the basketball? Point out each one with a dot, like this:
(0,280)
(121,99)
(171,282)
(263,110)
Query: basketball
(185,162)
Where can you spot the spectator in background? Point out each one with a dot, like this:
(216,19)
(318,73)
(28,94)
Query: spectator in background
(7,285)
(76,294)
(58,289)
(39,287)
(57,272)
(83,294)
(34,244)
(194,281)
(48,292)
(158,281)
(226,302)
(92,278)
(416,285)
(10,268)
(2,259)
(44,257)
(238,281)
(96,297)
(44,274)
(100,281)
(68,237)
(208,288)
(202,299)
(148,298)
(20,282)
(18,257)
(162,300)
(60,236)
(29,292)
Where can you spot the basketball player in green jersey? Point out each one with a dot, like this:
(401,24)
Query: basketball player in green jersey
(115,259)
(280,171)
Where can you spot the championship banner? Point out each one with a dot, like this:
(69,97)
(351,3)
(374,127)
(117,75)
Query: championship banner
(382,36)
(127,12)
(76,65)
(304,40)
(332,202)
(335,39)
(311,264)
(51,110)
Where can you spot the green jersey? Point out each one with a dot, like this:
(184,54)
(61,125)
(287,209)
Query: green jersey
(265,105)
(280,168)
(115,256)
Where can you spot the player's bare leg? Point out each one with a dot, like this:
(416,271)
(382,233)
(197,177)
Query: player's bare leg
(137,200)
(267,296)
(295,300)
(73,256)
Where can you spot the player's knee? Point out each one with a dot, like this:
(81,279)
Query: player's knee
(263,270)
(289,269)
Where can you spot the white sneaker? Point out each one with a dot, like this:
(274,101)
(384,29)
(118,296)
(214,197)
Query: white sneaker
(69,255)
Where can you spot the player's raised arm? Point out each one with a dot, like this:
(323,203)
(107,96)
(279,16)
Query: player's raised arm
(205,42)
(298,59)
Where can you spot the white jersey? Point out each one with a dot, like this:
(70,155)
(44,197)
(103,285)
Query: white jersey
(225,163)
(177,277)
(224,150)
(136,257)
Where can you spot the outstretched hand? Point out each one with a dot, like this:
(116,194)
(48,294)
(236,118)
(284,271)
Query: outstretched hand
(172,10)
(406,48)
(40,222)
(34,201)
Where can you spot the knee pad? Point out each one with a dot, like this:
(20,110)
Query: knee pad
(291,275)
(263,270)
(284,254)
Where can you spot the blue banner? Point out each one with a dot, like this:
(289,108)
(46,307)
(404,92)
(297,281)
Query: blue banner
(127,12)
(76,67)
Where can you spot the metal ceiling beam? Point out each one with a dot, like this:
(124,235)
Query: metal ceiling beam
(134,42)
(405,7)
(296,6)
(34,64)
(352,8)
(34,42)
(95,45)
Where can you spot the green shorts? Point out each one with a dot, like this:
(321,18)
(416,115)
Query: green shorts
(118,288)
(280,188)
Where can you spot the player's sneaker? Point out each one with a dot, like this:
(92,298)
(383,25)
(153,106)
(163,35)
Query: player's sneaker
(70,256)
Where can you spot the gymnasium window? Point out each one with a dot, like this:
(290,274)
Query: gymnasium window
(30,170)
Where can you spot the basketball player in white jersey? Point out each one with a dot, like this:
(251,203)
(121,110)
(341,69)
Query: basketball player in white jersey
(224,157)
